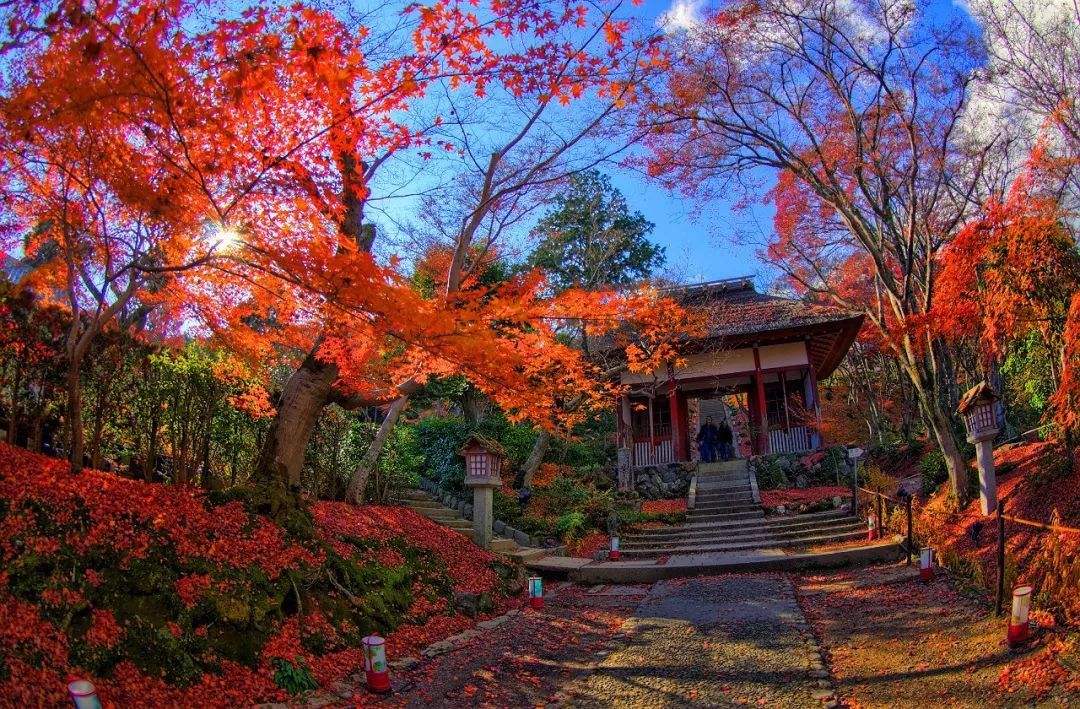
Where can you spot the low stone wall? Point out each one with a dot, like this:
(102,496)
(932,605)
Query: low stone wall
(802,470)
(664,482)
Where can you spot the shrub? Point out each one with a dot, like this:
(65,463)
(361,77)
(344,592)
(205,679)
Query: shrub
(293,678)
(440,438)
(570,525)
(933,470)
(769,473)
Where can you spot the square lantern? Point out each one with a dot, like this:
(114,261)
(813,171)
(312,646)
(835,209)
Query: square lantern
(483,461)
(978,407)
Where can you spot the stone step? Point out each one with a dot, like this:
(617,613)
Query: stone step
(724,502)
(758,514)
(713,510)
(440,514)
(742,546)
(725,494)
(760,536)
(723,477)
(418,495)
(425,505)
(759,527)
(741,524)
(722,466)
(707,485)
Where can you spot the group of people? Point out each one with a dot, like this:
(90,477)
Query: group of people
(715,442)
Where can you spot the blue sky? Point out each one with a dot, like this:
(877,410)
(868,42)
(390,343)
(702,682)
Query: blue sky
(702,243)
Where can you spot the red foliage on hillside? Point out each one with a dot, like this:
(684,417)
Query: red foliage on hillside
(144,589)
(1034,483)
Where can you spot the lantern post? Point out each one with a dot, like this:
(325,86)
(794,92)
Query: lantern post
(978,407)
(483,465)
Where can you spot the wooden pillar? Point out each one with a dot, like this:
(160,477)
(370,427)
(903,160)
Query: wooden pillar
(783,391)
(625,459)
(815,434)
(678,418)
(762,415)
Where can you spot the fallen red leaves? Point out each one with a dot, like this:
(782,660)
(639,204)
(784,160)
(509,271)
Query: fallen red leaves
(806,496)
(587,546)
(98,528)
(652,507)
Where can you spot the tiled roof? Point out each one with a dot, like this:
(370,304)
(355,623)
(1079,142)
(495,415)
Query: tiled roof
(734,308)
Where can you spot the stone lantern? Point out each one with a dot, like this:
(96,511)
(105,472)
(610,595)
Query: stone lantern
(483,464)
(978,407)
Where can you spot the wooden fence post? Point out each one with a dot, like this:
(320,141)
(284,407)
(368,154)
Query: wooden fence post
(1000,597)
(855,490)
(880,517)
(910,536)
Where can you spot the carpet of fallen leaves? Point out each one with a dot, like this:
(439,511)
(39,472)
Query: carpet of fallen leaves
(1034,483)
(894,641)
(587,546)
(806,496)
(521,663)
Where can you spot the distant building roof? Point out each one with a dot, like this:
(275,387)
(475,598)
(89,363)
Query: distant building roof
(735,308)
(739,316)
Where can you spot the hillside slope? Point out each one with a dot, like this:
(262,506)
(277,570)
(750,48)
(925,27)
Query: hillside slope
(162,595)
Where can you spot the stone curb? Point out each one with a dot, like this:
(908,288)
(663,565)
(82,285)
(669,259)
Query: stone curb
(349,689)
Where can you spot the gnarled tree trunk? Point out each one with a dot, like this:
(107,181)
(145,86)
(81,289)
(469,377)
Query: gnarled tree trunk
(359,478)
(536,457)
(281,459)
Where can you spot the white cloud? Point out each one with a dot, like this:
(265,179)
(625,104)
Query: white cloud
(683,15)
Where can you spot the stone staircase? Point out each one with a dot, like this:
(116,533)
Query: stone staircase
(726,518)
(423,503)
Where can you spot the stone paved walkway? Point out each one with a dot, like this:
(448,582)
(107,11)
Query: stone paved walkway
(715,641)
(722,641)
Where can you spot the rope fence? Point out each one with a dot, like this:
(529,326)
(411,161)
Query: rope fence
(999,596)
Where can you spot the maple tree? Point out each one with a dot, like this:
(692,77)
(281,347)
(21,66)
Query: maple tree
(1018,256)
(258,143)
(855,112)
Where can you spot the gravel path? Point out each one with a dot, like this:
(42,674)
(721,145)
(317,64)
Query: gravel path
(717,641)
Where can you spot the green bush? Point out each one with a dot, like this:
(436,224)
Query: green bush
(570,525)
(934,472)
(440,438)
(770,475)
(293,678)
(831,468)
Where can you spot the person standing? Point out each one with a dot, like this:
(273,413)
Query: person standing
(706,440)
(725,439)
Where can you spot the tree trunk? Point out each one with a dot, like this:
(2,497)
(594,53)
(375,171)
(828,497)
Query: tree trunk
(74,411)
(281,459)
(359,478)
(37,431)
(150,469)
(536,457)
(99,430)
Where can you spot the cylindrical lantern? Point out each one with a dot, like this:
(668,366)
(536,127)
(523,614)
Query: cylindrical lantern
(536,592)
(613,555)
(83,694)
(378,674)
(926,564)
(1019,628)
(871,527)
